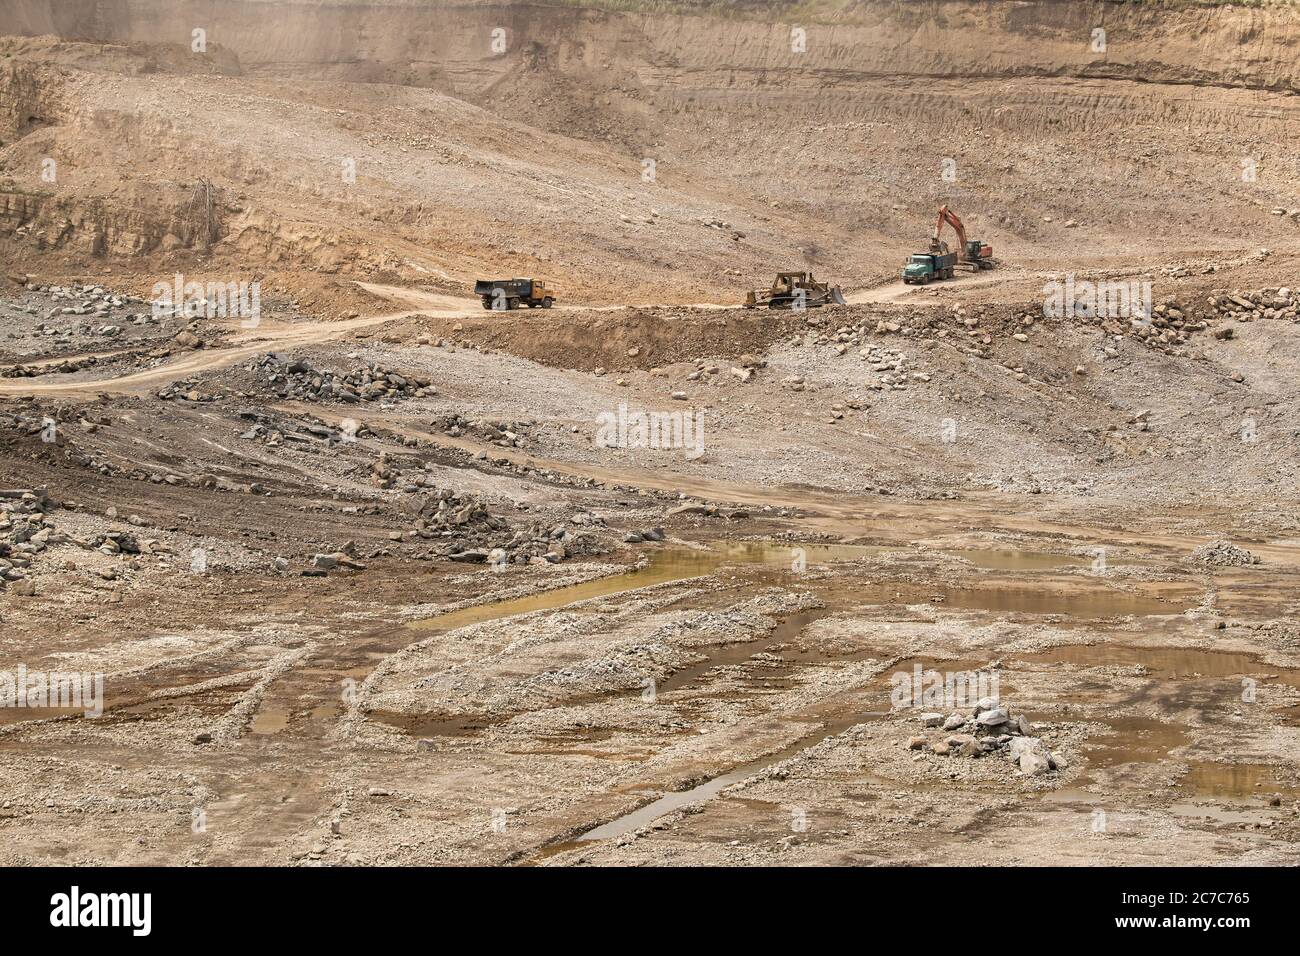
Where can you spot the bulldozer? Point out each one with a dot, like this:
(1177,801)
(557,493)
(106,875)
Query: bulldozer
(795,290)
(972,254)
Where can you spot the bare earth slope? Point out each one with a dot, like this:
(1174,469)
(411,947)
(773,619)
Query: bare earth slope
(535,160)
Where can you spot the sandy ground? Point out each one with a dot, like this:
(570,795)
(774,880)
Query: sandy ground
(415,710)
(379,579)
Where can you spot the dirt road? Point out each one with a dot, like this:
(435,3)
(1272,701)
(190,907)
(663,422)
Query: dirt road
(243,343)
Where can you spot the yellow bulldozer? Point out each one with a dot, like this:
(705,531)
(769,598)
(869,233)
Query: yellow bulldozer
(795,290)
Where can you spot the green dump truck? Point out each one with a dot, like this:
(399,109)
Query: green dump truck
(925,267)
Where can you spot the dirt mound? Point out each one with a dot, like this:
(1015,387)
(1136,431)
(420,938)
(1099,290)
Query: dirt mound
(635,338)
(1223,554)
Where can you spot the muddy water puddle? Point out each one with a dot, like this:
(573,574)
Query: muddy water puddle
(1233,793)
(1072,598)
(666,565)
(1234,780)
(675,800)
(135,706)
(421,725)
(1012,560)
(1135,740)
(1080,599)
(1056,597)
(1219,792)
(1166,663)
(1148,740)
(1142,741)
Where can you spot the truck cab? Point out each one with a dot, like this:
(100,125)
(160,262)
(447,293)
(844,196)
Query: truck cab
(919,269)
(924,267)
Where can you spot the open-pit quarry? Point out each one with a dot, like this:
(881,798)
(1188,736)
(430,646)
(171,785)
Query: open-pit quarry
(307,558)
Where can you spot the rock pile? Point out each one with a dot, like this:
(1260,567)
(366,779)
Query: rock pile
(470,532)
(186,389)
(65,367)
(91,300)
(1223,554)
(274,431)
(69,316)
(25,531)
(989,728)
(298,379)
(503,434)
(703,511)
(539,544)
(1170,325)
(114,542)
(1280,303)
(890,367)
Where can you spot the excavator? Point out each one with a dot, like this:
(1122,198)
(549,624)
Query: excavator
(972,254)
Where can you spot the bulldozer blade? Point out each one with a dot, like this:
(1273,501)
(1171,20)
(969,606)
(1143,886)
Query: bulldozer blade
(837,296)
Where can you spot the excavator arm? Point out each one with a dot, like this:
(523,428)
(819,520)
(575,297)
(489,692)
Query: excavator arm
(950,217)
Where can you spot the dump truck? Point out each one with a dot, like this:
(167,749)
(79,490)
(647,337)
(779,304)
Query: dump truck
(499,295)
(795,290)
(922,268)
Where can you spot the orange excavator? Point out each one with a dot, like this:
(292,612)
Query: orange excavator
(971,253)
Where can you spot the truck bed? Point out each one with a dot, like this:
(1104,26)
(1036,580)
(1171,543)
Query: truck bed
(519,288)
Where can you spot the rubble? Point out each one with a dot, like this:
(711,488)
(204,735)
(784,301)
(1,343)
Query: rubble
(25,531)
(989,727)
(1281,303)
(890,365)
(298,379)
(501,433)
(63,367)
(466,530)
(1223,554)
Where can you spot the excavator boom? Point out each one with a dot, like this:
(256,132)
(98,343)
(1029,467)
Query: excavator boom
(950,217)
(971,253)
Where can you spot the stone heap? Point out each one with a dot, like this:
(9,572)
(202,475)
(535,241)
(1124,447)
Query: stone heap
(298,379)
(989,728)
